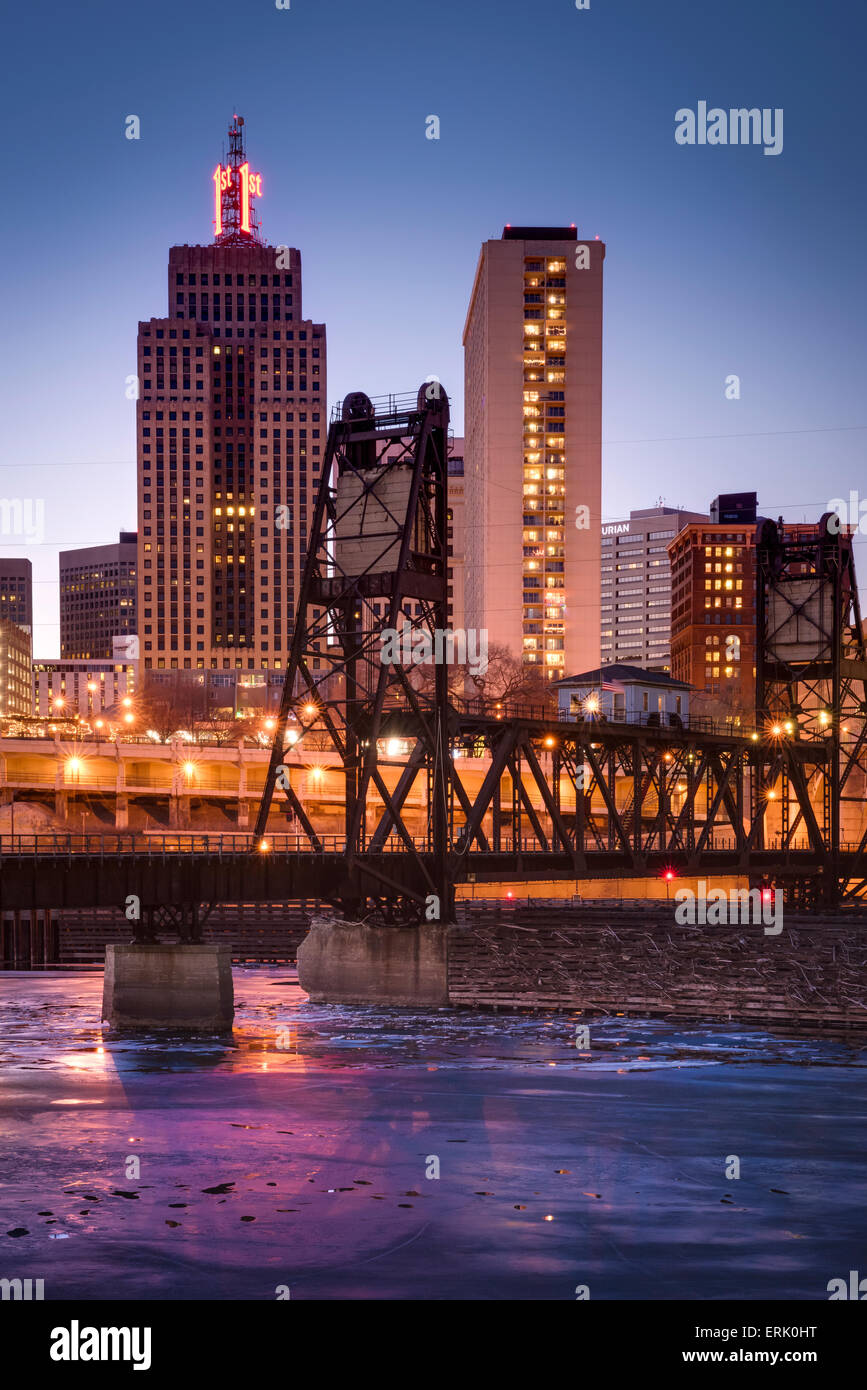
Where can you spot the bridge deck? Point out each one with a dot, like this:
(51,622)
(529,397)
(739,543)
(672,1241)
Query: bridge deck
(38,871)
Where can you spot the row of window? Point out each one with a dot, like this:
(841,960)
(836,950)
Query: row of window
(239,280)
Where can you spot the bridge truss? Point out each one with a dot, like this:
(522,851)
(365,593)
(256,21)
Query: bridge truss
(556,800)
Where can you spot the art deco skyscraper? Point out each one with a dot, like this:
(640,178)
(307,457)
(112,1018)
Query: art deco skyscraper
(232,423)
(532,459)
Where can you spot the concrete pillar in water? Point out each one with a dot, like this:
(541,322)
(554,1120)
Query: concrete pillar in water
(169,986)
(350,963)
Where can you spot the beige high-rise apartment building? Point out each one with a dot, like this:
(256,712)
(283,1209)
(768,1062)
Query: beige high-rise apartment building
(533,452)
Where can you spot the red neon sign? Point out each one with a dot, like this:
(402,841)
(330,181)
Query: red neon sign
(248,186)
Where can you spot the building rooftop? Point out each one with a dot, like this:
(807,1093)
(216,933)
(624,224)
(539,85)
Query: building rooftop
(540,233)
(625,675)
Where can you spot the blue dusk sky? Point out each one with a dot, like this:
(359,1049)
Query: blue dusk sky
(721,259)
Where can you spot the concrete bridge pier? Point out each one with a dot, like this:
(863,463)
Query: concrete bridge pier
(178,987)
(343,962)
(121,811)
(179,812)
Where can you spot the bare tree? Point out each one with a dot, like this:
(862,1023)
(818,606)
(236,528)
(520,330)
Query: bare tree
(505,681)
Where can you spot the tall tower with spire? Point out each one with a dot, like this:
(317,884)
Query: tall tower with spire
(235,188)
(232,424)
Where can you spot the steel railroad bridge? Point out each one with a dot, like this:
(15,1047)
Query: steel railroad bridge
(780,804)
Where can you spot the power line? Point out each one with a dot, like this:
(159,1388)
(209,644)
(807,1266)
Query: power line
(583,440)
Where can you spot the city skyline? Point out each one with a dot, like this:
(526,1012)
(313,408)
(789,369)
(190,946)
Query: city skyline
(433,839)
(717,262)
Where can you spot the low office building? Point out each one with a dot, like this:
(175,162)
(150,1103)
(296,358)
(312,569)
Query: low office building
(86,688)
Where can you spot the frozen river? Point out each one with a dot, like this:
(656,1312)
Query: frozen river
(302,1154)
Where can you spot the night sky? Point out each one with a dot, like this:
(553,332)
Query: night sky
(720,260)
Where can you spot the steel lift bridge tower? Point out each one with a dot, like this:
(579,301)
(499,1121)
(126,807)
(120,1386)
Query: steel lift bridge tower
(811,694)
(376,564)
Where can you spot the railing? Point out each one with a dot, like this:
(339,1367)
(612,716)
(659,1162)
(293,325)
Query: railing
(664,722)
(390,406)
(134,844)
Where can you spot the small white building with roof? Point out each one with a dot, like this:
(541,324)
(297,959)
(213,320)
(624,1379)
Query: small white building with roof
(622,694)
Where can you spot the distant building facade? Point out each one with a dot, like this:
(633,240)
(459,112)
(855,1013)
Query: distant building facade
(636,586)
(713,578)
(16,592)
(456,536)
(15,649)
(713,606)
(97,598)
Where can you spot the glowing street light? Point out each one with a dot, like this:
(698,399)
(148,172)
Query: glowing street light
(263,847)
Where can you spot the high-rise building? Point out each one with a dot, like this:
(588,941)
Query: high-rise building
(232,424)
(533,421)
(16,592)
(713,604)
(713,610)
(15,647)
(636,586)
(456,536)
(97,598)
